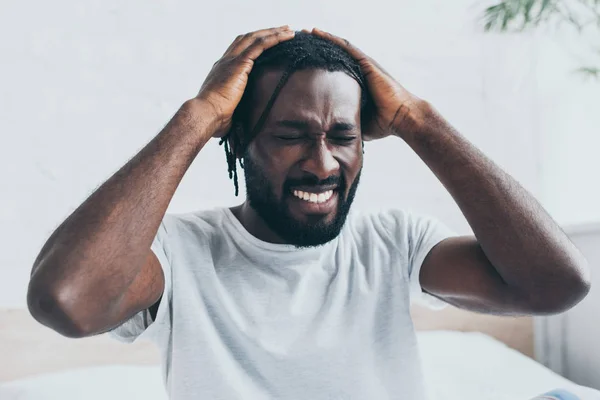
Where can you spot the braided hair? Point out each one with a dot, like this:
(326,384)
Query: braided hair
(304,51)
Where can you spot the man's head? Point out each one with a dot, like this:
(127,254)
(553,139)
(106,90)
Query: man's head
(298,132)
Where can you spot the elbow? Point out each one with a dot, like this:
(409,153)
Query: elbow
(580,287)
(51,308)
(568,291)
(578,283)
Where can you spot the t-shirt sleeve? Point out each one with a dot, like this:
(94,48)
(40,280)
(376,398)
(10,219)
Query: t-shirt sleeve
(141,325)
(416,235)
(424,233)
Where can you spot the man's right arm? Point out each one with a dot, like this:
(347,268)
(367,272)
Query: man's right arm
(97,268)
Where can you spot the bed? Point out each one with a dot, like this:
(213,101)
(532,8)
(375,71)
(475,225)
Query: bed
(457,365)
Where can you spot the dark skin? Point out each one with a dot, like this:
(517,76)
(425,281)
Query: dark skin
(96,269)
(312,129)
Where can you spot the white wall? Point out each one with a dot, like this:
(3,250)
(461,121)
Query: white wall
(568,108)
(84,85)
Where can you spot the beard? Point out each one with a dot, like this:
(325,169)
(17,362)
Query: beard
(276,214)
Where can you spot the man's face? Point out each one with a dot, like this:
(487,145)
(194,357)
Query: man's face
(303,168)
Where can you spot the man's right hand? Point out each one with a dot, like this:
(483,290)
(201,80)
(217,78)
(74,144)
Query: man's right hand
(224,86)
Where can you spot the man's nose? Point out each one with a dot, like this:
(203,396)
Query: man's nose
(320,160)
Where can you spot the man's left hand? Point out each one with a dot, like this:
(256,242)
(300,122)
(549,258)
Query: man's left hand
(397,111)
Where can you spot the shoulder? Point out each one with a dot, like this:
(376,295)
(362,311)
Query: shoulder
(195,225)
(381,221)
(381,225)
(191,238)
(397,225)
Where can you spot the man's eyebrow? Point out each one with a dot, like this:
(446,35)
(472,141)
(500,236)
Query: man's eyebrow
(294,124)
(305,125)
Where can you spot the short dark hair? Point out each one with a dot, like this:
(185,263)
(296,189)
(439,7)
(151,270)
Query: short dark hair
(304,51)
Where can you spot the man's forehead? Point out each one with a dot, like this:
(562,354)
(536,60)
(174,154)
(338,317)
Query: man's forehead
(306,82)
(309,96)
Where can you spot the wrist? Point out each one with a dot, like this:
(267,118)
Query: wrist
(416,119)
(202,116)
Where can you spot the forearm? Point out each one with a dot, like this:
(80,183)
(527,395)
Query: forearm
(527,248)
(98,250)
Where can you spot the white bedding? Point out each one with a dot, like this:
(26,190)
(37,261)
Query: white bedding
(465,366)
(473,366)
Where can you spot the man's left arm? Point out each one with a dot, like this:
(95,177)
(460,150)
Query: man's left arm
(519,261)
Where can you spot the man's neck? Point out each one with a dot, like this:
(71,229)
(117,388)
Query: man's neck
(254,224)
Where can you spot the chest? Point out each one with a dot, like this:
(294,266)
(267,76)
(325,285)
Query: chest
(331,303)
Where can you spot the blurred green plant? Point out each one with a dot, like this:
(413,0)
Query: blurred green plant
(519,15)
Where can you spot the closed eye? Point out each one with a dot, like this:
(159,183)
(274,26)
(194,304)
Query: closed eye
(344,138)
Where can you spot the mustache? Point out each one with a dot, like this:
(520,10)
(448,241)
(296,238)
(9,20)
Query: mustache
(311,180)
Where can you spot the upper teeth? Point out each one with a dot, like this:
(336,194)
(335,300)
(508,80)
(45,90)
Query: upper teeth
(313,197)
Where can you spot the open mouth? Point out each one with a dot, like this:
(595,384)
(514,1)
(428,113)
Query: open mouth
(314,200)
(313,197)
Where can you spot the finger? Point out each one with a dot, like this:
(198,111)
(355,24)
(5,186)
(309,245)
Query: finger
(354,51)
(263,43)
(343,43)
(234,43)
(248,39)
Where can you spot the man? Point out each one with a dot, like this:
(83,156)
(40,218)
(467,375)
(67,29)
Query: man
(290,295)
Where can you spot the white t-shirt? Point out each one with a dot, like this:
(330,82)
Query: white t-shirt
(245,319)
